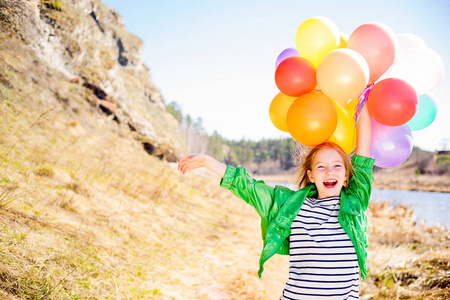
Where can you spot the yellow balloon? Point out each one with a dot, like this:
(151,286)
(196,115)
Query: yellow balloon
(315,38)
(343,40)
(345,133)
(278,110)
(343,74)
(351,106)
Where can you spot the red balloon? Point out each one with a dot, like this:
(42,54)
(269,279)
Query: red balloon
(392,102)
(295,76)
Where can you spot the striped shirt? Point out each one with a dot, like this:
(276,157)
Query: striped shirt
(323,262)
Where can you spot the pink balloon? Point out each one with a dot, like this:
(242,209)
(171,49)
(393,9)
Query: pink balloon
(376,42)
(390,146)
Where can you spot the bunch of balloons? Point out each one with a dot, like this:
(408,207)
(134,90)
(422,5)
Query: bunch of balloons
(323,80)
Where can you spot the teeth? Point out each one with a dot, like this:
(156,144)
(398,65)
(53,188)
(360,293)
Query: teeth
(330,182)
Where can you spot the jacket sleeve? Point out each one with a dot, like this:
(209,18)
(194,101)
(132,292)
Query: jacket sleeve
(360,185)
(255,192)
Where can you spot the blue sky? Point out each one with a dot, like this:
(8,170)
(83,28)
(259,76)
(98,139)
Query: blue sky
(216,59)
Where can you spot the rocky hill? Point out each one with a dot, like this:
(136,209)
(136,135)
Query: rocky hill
(59,54)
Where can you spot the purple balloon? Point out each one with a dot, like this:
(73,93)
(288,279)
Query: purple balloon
(390,146)
(289,52)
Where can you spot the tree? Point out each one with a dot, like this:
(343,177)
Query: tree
(274,154)
(175,110)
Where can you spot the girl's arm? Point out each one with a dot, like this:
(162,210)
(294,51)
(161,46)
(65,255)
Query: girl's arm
(363,133)
(361,184)
(236,180)
(194,161)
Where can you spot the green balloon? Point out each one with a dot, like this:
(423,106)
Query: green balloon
(425,114)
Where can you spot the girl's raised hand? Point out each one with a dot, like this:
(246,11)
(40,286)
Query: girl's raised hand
(194,161)
(190,162)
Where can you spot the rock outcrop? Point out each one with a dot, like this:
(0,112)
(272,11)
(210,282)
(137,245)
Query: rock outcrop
(85,43)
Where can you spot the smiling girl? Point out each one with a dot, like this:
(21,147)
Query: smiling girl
(322,226)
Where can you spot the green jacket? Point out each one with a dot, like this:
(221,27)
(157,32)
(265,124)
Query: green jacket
(278,207)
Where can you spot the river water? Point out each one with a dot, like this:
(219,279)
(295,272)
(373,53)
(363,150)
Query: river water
(429,206)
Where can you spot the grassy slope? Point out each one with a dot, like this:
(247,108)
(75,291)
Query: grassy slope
(119,224)
(85,212)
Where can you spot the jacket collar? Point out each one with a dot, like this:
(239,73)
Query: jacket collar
(294,202)
(292,206)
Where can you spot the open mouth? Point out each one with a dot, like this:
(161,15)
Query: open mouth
(330,183)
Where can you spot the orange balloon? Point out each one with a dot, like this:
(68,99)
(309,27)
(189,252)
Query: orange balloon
(278,110)
(376,42)
(343,74)
(345,133)
(312,118)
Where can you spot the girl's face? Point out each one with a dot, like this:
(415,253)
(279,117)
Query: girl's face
(328,173)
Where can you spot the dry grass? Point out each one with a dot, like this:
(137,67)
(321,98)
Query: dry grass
(86,213)
(406,261)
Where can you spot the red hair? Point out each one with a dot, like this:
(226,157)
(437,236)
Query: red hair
(305,162)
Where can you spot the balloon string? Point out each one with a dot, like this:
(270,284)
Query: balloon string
(361,100)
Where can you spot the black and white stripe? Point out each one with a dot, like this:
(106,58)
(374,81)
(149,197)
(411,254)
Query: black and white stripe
(323,262)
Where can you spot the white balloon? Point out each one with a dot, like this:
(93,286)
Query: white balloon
(422,68)
(409,41)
